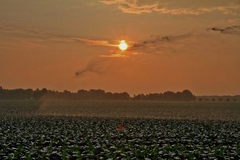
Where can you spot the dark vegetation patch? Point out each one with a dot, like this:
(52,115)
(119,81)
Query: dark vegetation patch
(61,137)
(59,130)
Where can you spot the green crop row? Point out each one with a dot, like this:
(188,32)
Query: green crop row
(63,137)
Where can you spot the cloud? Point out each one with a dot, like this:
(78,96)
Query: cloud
(39,37)
(96,66)
(151,6)
(93,66)
(228,30)
(20,32)
(32,36)
(96,42)
(154,41)
(53,37)
(118,55)
(85,41)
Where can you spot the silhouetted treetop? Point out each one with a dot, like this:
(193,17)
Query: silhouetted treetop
(44,94)
(186,95)
(92,94)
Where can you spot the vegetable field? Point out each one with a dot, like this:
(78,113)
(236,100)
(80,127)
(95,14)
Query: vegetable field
(90,130)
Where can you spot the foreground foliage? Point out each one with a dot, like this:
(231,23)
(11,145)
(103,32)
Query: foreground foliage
(68,137)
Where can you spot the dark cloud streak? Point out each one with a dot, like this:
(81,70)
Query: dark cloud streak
(157,39)
(95,66)
(235,30)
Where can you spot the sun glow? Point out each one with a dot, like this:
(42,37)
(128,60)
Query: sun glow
(123,45)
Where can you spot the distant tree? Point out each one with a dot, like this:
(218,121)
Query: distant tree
(1,93)
(38,94)
(109,96)
(66,95)
(139,97)
(82,91)
(178,96)
(123,96)
(29,93)
(187,96)
(97,94)
(155,97)
(168,96)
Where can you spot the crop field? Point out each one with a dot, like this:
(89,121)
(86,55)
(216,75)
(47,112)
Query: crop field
(119,130)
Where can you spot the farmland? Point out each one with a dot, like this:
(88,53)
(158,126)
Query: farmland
(89,130)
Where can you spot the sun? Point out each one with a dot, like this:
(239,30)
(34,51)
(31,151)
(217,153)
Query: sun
(123,45)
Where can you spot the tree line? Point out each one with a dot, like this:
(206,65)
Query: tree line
(93,94)
(218,98)
(185,95)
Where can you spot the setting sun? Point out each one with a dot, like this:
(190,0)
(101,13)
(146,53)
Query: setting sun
(123,45)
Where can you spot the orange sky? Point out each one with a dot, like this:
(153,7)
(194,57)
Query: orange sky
(73,45)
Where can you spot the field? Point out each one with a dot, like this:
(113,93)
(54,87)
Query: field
(90,130)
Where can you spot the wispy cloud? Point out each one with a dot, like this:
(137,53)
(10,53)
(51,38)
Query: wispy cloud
(96,42)
(20,32)
(118,55)
(96,66)
(154,40)
(163,44)
(38,36)
(141,6)
(53,37)
(228,30)
(86,41)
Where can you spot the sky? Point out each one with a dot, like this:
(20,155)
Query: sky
(73,44)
